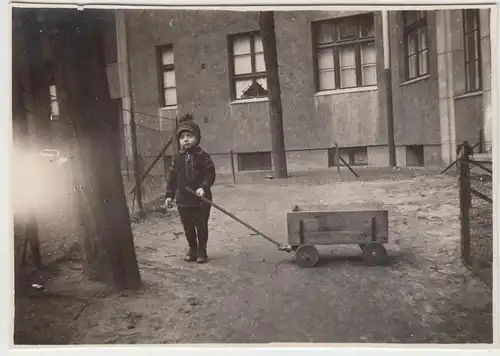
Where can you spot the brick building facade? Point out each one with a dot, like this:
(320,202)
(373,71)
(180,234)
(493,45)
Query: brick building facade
(210,64)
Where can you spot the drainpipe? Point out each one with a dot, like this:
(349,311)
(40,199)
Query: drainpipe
(388,78)
(450,101)
(127,101)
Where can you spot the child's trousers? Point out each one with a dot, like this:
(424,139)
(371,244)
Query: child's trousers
(195,223)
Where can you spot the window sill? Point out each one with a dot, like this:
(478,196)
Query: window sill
(469,94)
(414,80)
(347,90)
(166,108)
(248,101)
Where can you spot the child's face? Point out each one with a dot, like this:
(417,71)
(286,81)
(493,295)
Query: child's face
(187,140)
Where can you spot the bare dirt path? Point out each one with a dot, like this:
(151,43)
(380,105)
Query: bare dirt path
(251,293)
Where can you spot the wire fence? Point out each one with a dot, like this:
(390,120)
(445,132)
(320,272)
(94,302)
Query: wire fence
(151,141)
(476,215)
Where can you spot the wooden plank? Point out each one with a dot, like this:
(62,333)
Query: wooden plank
(301,231)
(334,223)
(354,207)
(359,222)
(336,238)
(481,196)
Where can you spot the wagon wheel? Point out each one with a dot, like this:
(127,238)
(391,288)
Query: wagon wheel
(307,256)
(374,254)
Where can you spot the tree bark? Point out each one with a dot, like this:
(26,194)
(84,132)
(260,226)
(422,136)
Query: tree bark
(92,125)
(273,86)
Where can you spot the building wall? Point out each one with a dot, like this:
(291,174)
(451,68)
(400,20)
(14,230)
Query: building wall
(468,107)
(416,106)
(198,38)
(319,120)
(311,121)
(487,56)
(468,118)
(200,41)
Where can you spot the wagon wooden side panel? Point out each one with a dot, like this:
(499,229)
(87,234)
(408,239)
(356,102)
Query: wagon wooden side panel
(337,225)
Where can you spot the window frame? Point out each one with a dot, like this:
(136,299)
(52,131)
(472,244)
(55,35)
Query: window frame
(337,44)
(477,40)
(409,29)
(254,75)
(162,68)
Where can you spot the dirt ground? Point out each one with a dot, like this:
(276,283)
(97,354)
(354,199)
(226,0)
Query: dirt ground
(250,292)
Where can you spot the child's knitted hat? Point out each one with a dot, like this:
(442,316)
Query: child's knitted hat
(187,123)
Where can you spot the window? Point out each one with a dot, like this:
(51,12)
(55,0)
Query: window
(166,78)
(54,103)
(248,70)
(472,50)
(354,156)
(254,161)
(415,156)
(345,53)
(416,44)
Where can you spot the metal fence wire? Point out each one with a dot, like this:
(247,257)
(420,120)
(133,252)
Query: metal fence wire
(152,137)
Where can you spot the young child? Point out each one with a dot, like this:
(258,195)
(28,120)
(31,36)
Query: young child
(192,167)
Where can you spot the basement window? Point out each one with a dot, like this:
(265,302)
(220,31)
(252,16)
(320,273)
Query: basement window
(354,156)
(254,161)
(415,156)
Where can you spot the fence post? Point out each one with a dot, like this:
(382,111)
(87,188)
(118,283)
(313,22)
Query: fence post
(465,204)
(459,149)
(231,156)
(337,159)
(481,140)
(175,142)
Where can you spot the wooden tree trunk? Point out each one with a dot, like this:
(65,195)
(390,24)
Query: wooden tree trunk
(85,104)
(273,87)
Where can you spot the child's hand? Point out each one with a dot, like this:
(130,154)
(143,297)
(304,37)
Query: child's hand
(200,192)
(168,202)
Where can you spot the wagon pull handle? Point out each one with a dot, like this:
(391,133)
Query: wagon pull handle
(205,200)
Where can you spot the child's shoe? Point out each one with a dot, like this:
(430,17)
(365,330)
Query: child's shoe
(202,256)
(191,255)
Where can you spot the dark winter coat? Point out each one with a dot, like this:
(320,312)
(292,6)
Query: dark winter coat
(193,169)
